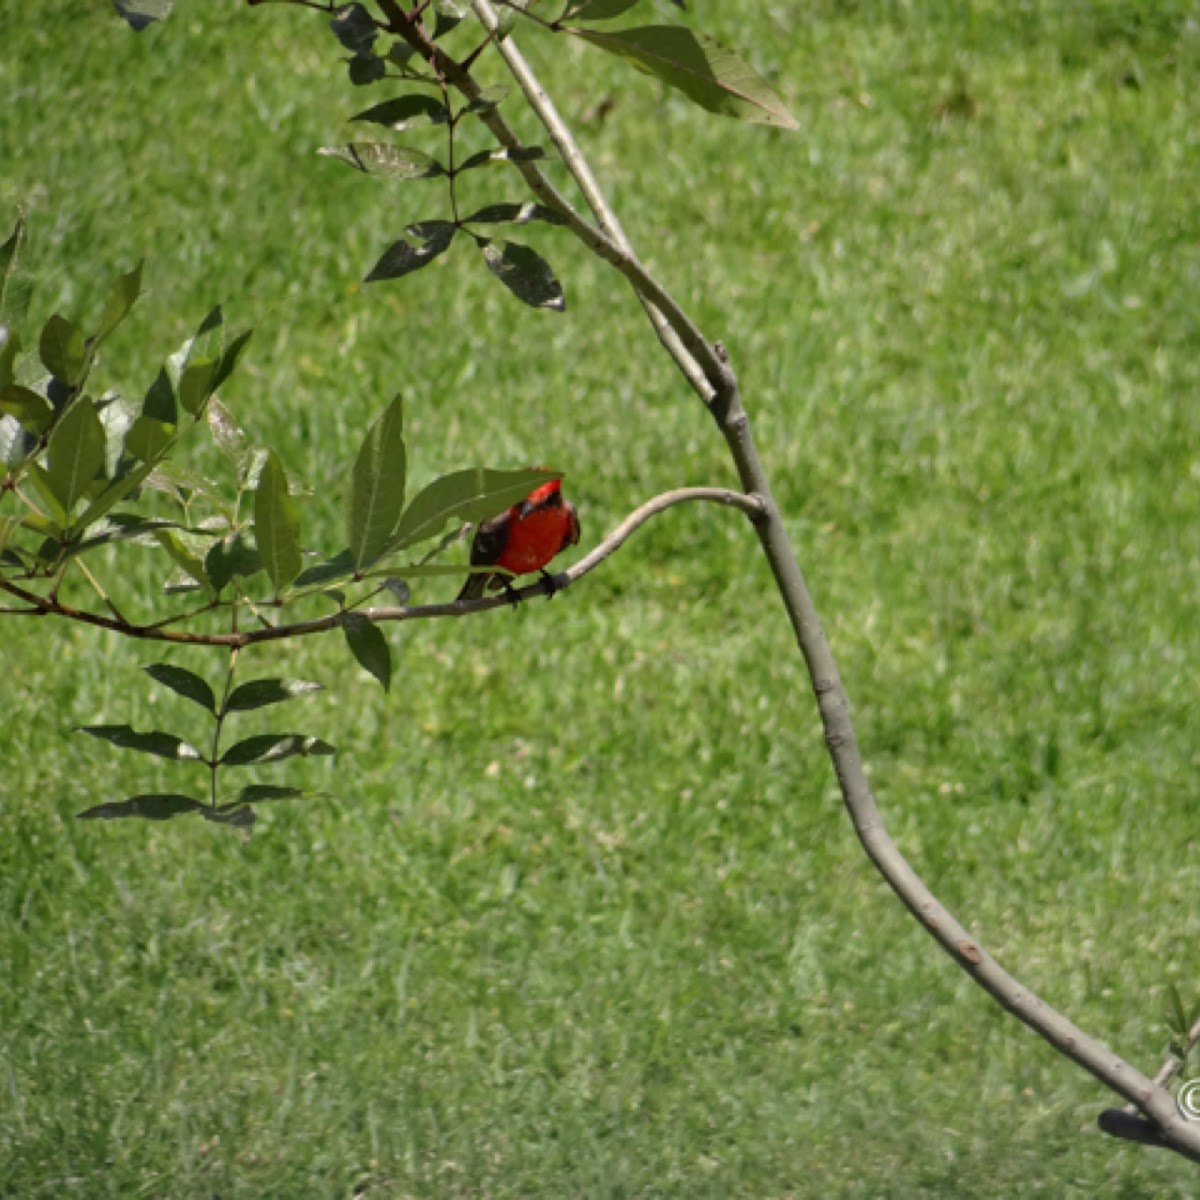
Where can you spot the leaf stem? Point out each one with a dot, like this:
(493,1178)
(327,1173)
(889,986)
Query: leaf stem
(214,760)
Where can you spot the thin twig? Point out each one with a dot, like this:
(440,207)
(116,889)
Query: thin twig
(595,239)
(44,606)
(581,171)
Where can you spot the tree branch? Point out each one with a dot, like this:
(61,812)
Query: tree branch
(45,606)
(581,171)
(601,243)
(832,702)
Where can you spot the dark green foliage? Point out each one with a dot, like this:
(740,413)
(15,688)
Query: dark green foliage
(256,750)
(369,647)
(163,745)
(259,693)
(185,683)
(525,273)
(377,487)
(276,525)
(273,747)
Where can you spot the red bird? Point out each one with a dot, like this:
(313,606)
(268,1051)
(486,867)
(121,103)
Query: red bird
(522,539)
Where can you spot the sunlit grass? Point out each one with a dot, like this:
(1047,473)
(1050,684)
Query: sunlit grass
(583,916)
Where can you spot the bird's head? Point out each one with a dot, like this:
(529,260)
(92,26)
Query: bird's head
(549,495)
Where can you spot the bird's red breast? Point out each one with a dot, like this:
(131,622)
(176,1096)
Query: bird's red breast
(524,538)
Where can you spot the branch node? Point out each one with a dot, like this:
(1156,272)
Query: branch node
(971,953)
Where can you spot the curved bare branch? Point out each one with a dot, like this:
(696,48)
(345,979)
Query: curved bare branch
(1147,1095)
(52,606)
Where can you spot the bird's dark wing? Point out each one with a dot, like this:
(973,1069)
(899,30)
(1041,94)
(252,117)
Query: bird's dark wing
(490,539)
(486,546)
(572,535)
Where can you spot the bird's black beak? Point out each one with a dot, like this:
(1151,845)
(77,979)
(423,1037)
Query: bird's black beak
(528,506)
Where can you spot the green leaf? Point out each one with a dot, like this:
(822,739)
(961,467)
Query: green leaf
(259,693)
(141,13)
(405,112)
(156,806)
(131,527)
(8,526)
(230,439)
(276,525)
(186,683)
(162,745)
(205,343)
(488,100)
(76,452)
(234,555)
(502,154)
(470,495)
(1176,1016)
(596,10)
(16,443)
(506,20)
(393,162)
(176,480)
(274,747)
(10,345)
(160,401)
(377,487)
(35,413)
(514,214)
(369,647)
(117,416)
(49,497)
(355,29)
(185,557)
(366,68)
(525,273)
(402,258)
(230,358)
(706,72)
(339,567)
(62,350)
(421,570)
(398,588)
(122,295)
(112,495)
(149,439)
(10,253)
(15,286)
(251,468)
(196,384)
(400,54)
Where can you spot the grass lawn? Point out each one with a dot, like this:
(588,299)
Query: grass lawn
(583,916)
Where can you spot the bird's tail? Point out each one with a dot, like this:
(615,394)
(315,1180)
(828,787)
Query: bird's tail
(475,587)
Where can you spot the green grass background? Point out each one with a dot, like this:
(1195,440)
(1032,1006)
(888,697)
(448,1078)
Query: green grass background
(584,917)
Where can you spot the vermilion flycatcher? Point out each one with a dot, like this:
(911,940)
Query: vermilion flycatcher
(522,539)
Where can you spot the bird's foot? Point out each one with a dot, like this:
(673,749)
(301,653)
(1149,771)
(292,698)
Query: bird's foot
(510,594)
(550,584)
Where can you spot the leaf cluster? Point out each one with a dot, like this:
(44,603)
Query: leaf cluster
(72,457)
(405,48)
(86,478)
(81,467)
(237,810)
